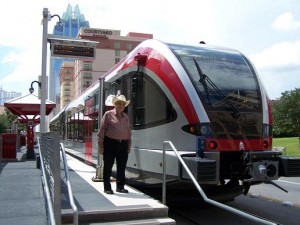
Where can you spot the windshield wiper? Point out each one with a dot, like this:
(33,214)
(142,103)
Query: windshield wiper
(203,79)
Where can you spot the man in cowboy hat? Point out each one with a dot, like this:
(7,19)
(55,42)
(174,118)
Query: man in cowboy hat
(114,142)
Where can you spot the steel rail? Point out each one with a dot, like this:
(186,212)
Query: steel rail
(70,192)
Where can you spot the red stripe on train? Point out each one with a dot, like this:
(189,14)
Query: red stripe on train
(160,66)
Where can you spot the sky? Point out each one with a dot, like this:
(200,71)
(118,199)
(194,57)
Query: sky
(265,31)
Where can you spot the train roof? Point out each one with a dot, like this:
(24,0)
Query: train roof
(129,59)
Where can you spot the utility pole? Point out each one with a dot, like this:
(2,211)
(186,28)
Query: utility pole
(44,71)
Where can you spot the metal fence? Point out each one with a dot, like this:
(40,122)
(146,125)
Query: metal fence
(49,149)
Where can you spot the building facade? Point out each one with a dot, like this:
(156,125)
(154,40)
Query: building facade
(72,20)
(66,83)
(111,49)
(8,95)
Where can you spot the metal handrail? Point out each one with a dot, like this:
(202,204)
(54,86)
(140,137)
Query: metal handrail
(205,198)
(48,196)
(70,192)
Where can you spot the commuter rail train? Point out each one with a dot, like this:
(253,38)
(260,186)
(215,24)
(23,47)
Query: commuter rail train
(208,101)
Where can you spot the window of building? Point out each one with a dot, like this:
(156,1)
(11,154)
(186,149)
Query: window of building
(87,75)
(86,83)
(87,66)
(117,45)
(117,60)
(67,71)
(117,53)
(67,78)
(129,46)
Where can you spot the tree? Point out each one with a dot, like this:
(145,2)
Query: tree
(286,113)
(7,119)
(3,124)
(9,116)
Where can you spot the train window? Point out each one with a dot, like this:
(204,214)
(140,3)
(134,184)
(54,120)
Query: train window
(114,88)
(227,74)
(149,105)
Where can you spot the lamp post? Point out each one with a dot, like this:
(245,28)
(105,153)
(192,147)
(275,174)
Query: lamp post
(46,17)
(31,89)
(30,124)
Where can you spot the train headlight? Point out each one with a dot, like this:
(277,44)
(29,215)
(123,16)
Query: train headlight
(205,129)
(193,129)
(198,129)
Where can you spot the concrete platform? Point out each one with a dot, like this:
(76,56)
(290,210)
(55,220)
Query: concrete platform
(22,200)
(21,192)
(95,206)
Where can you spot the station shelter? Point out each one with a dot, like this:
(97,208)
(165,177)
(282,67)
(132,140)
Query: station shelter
(27,108)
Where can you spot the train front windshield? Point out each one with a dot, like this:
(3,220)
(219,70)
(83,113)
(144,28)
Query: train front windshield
(228,88)
(226,76)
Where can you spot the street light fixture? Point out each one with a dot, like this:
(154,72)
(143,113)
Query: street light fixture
(59,23)
(31,89)
(76,48)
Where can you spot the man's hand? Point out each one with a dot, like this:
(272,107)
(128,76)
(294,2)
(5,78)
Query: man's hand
(100,150)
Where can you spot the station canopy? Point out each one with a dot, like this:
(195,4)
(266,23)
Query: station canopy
(79,118)
(28,106)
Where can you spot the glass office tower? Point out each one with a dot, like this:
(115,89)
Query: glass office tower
(72,20)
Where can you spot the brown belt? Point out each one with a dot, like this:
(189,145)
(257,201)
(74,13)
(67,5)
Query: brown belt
(117,140)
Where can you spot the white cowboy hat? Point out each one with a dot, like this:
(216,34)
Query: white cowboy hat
(120,98)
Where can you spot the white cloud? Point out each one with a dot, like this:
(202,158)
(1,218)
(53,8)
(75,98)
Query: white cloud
(286,22)
(25,70)
(284,54)
(217,22)
(279,67)
(24,30)
(11,57)
(277,82)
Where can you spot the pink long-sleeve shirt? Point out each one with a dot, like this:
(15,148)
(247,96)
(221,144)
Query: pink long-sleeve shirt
(114,126)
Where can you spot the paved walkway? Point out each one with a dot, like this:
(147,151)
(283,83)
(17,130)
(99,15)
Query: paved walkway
(96,206)
(22,199)
(21,195)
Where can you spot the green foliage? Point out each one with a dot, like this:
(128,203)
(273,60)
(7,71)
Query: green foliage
(286,114)
(9,116)
(3,124)
(7,119)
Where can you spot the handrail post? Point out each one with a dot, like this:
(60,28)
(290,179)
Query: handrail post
(164,174)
